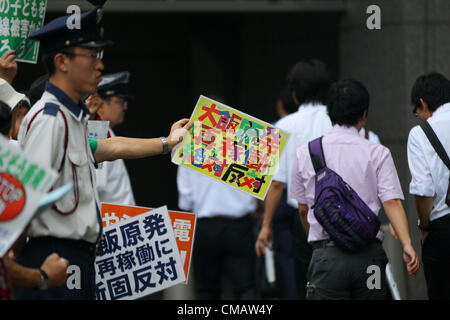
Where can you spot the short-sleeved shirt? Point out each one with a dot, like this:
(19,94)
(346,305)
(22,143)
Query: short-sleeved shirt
(366,166)
(429,175)
(309,122)
(208,198)
(42,134)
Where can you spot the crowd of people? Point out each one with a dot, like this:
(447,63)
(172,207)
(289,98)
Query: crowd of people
(50,123)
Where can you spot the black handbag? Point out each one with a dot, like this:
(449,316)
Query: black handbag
(439,148)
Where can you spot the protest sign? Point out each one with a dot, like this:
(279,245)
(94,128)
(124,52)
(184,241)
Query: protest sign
(23,182)
(183,224)
(139,257)
(231,147)
(19,19)
(98,129)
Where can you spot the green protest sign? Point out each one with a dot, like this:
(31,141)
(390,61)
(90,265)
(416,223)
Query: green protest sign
(19,19)
(23,183)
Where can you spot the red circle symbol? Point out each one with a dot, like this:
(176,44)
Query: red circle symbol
(12,197)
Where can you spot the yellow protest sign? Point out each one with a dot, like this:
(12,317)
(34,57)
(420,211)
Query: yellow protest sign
(232,147)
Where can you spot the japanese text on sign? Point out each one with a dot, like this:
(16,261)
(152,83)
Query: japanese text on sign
(139,257)
(232,147)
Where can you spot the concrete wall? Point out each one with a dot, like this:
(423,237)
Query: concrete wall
(414,39)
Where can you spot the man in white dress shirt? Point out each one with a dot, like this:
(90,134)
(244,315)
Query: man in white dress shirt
(309,83)
(224,235)
(113,182)
(430,97)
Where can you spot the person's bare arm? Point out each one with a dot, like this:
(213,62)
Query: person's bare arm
(303,211)
(397,217)
(424,206)
(26,278)
(270,205)
(133,148)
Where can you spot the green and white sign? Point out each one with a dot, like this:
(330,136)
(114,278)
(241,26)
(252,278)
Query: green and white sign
(19,19)
(23,183)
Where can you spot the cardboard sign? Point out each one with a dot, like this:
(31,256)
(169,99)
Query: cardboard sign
(183,224)
(19,19)
(139,257)
(231,147)
(23,182)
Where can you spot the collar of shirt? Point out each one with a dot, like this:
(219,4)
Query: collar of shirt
(445,108)
(344,130)
(309,107)
(78,110)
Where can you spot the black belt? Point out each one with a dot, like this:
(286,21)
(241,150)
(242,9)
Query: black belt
(322,244)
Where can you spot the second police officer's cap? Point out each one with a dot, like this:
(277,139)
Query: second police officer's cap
(59,34)
(115,84)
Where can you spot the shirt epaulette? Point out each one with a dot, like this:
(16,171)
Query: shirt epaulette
(51,109)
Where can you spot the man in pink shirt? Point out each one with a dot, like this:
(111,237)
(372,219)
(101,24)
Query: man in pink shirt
(369,169)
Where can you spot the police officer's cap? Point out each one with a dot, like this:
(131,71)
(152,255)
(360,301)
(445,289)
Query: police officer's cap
(114,84)
(56,34)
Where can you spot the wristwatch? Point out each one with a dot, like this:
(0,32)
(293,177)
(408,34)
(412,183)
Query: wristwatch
(44,280)
(422,228)
(165,145)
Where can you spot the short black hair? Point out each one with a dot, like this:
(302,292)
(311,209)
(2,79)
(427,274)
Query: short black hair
(309,81)
(288,102)
(5,118)
(433,88)
(347,101)
(48,59)
(37,89)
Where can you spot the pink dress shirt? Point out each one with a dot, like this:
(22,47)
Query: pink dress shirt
(366,166)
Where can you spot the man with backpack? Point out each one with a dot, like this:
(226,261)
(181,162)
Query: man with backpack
(428,159)
(340,181)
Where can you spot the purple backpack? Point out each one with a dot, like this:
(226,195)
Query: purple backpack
(350,223)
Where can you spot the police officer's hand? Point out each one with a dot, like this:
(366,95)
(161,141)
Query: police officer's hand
(8,66)
(264,239)
(178,131)
(56,269)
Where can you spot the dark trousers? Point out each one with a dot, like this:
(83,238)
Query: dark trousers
(336,275)
(81,271)
(292,251)
(436,259)
(224,246)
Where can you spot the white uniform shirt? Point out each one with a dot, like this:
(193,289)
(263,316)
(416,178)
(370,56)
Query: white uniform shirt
(44,139)
(113,182)
(308,123)
(372,136)
(208,198)
(429,174)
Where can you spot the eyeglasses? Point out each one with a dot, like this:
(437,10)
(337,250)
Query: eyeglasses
(94,56)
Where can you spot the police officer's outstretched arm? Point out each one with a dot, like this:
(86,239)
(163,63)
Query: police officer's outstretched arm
(133,148)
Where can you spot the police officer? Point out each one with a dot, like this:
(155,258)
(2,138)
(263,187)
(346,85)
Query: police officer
(113,182)
(55,131)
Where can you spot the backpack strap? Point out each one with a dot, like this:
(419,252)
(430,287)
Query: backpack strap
(316,154)
(434,140)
